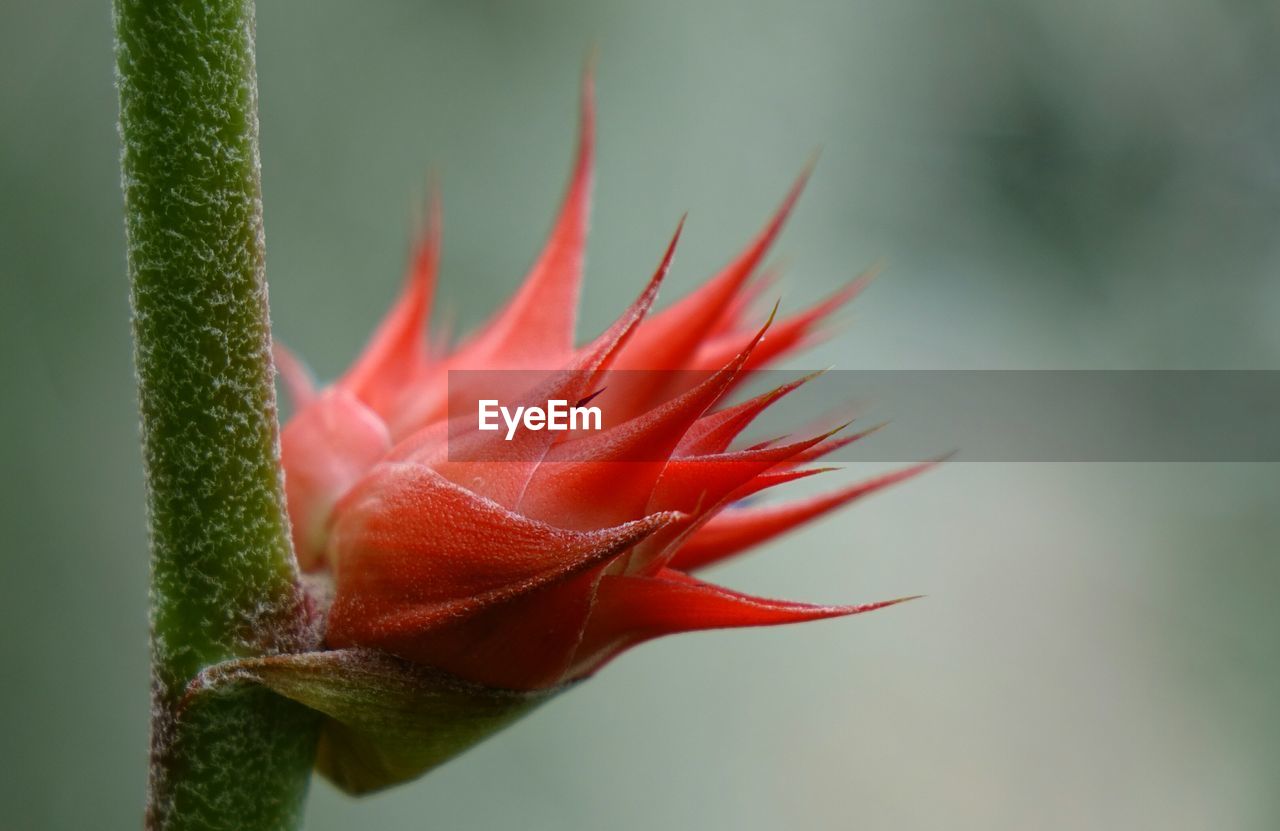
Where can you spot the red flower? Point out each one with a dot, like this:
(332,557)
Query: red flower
(539,563)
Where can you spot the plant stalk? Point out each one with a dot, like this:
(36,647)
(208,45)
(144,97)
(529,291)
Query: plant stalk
(223,577)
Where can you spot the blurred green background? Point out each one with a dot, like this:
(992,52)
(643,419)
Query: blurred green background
(1079,185)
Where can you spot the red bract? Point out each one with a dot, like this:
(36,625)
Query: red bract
(539,562)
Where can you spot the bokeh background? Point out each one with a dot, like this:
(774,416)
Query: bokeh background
(1076,185)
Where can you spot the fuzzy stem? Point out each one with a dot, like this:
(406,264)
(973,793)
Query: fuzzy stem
(224,583)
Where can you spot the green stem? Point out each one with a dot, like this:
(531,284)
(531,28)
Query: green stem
(224,583)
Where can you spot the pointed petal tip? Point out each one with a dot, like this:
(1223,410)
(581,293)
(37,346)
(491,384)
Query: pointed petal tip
(537,324)
(862,434)
(817,373)
(912,470)
(895,601)
(812,160)
(675,239)
(587,108)
(640,308)
(838,428)
(435,204)
(782,390)
(826,434)
(736,365)
(739,362)
(614,339)
(427,255)
(774,226)
(845,611)
(664,265)
(590,65)
(846,293)
(773,315)
(802,179)
(425,213)
(582,402)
